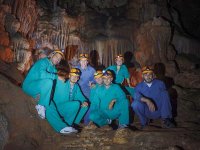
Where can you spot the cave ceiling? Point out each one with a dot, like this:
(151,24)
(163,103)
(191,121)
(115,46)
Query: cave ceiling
(75,7)
(185,14)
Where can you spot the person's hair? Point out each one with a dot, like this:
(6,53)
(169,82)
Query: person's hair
(62,71)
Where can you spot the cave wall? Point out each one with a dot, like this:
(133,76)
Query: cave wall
(109,27)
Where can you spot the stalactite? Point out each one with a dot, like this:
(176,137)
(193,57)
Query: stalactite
(57,29)
(26,11)
(25,58)
(108,49)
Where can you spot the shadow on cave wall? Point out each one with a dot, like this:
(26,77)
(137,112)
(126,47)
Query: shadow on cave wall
(159,70)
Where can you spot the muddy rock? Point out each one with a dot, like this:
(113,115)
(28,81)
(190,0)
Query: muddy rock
(3,131)
(184,63)
(10,71)
(188,79)
(121,136)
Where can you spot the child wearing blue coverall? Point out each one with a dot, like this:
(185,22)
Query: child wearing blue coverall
(111,104)
(98,76)
(86,79)
(120,70)
(121,74)
(38,81)
(151,100)
(70,104)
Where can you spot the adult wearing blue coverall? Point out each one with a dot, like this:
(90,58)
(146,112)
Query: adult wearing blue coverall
(86,79)
(38,81)
(87,72)
(112,104)
(70,103)
(151,100)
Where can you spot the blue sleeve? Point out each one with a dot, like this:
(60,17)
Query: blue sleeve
(126,72)
(137,95)
(120,93)
(45,70)
(92,75)
(92,93)
(45,74)
(110,68)
(78,95)
(162,86)
(94,99)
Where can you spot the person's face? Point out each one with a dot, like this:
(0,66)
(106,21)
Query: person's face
(107,80)
(73,79)
(119,61)
(99,80)
(83,63)
(148,77)
(56,58)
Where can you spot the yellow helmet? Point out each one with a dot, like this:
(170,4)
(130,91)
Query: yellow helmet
(61,52)
(98,74)
(83,56)
(57,51)
(75,72)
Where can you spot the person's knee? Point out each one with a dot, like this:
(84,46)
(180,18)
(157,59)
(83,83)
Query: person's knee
(93,115)
(136,105)
(76,104)
(126,103)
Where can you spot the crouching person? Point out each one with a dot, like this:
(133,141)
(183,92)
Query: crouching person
(38,82)
(111,104)
(68,105)
(94,103)
(151,100)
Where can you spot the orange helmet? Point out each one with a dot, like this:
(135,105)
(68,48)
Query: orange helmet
(147,69)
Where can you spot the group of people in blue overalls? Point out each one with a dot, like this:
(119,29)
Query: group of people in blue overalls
(97,97)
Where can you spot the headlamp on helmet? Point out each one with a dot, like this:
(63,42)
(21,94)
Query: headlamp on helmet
(83,57)
(147,69)
(98,74)
(120,56)
(107,73)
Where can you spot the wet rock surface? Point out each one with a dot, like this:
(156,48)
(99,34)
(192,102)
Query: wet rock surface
(10,71)
(3,131)
(189,76)
(188,79)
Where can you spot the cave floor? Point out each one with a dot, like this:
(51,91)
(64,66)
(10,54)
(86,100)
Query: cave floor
(185,136)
